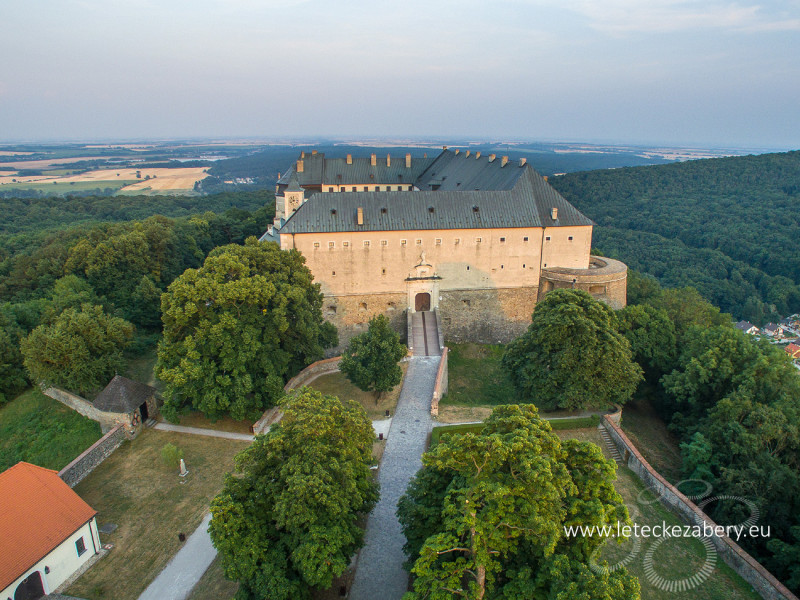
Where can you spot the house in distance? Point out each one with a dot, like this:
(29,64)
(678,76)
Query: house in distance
(477,238)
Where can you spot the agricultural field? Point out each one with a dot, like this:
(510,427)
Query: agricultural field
(134,180)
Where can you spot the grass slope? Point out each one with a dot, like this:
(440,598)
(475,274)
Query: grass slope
(42,431)
(475,377)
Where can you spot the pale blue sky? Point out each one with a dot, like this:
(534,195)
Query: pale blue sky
(679,72)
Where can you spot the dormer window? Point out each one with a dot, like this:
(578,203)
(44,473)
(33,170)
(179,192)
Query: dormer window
(384,211)
(430,209)
(475,209)
(333,211)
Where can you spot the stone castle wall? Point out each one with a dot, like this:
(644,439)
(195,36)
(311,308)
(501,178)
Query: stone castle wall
(90,458)
(486,316)
(605,279)
(734,556)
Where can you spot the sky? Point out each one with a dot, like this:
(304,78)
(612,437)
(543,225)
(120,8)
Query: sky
(711,73)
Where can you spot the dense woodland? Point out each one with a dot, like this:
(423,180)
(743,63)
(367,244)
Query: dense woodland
(59,254)
(728,227)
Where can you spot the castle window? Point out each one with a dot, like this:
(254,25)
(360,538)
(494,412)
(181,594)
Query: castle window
(366,243)
(384,242)
(333,211)
(330,189)
(345,244)
(316,244)
(330,311)
(478,240)
(430,209)
(523,265)
(403,242)
(502,240)
(570,238)
(342,189)
(383,271)
(333,273)
(355,189)
(384,211)
(438,241)
(545,264)
(362,306)
(467,267)
(525,239)
(547,238)
(457,241)
(366,188)
(331,244)
(475,209)
(418,242)
(501,266)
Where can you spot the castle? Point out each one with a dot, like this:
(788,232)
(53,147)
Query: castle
(476,238)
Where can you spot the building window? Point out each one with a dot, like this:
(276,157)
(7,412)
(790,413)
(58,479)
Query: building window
(403,242)
(478,240)
(467,267)
(366,243)
(80,546)
(523,265)
(547,238)
(438,241)
(366,188)
(355,189)
(502,240)
(333,273)
(383,271)
(345,244)
(330,189)
(331,244)
(525,239)
(316,244)
(418,242)
(457,241)
(570,238)
(384,242)
(501,266)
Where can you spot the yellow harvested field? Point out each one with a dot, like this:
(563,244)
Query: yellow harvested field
(11,153)
(159,179)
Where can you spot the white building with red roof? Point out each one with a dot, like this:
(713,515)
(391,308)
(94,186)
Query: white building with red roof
(47,532)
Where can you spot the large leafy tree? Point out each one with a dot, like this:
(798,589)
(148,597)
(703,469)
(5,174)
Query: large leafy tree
(13,378)
(485,516)
(288,522)
(236,328)
(651,334)
(371,359)
(80,350)
(572,355)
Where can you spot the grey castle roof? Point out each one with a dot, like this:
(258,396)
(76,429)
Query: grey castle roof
(335,171)
(497,197)
(123,395)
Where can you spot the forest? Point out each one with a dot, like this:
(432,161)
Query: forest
(64,259)
(726,226)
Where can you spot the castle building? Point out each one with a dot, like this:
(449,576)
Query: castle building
(474,237)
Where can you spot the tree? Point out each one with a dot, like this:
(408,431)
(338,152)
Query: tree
(651,334)
(486,514)
(572,355)
(13,378)
(371,359)
(237,328)
(80,350)
(288,522)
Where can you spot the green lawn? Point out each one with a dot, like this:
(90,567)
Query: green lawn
(336,384)
(475,377)
(557,425)
(42,431)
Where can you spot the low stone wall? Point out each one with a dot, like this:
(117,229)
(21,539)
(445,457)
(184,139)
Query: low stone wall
(486,316)
(734,556)
(107,420)
(95,454)
(312,371)
(440,388)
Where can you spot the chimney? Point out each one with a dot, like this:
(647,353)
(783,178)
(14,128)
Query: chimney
(388,161)
(279,175)
(457,151)
(300,166)
(466,154)
(425,155)
(313,153)
(444,147)
(477,155)
(545,177)
(554,213)
(360,216)
(408,161)
(492,157)
(349,159)
(373,160)
(302,155)
(503,162)
(522,162)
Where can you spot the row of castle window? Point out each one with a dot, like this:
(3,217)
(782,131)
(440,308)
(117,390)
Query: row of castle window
(418,242)
(383,271)
(377,188)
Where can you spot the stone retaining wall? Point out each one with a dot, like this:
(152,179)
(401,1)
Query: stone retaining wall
(312,371)
(734,556)
(440,388)
(107,420)
(95,454)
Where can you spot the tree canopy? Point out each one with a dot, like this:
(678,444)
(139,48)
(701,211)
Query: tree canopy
(80,350)
(288,522)
(485,516)
(237,328)
(572,355)
(371,359)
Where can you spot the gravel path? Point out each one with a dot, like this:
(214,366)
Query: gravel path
(380,574)
(201,431)
(185,569)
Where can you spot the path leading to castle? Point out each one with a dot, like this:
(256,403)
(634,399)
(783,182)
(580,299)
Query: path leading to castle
(380,574)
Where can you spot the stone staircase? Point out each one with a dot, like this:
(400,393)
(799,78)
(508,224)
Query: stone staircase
(610,445)
(425,334)
(149,422)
